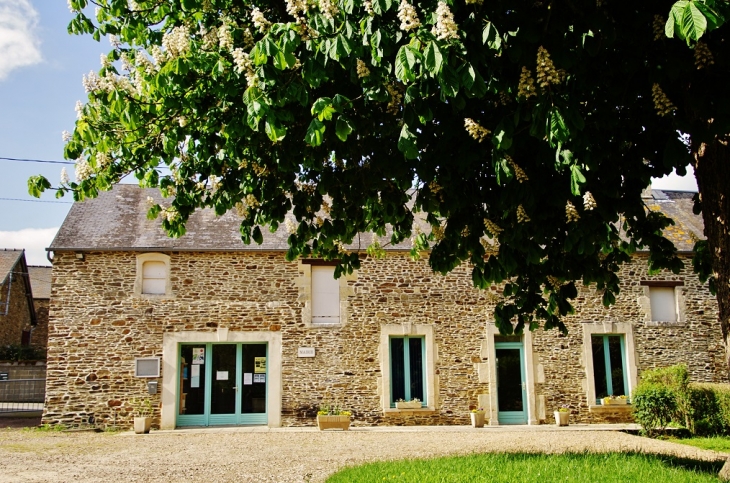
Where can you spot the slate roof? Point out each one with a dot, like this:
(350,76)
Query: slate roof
(8,260)
(116,220)
(40,281)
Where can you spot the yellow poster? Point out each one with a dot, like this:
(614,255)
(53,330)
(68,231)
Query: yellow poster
(259,364)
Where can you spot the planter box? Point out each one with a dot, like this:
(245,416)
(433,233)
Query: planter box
(562,418)
(333,422)
(614,402)
(477,419)
(142,425)
(408,405)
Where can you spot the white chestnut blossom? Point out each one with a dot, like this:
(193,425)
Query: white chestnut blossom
(66,136)
(408,16)
(445,27)
(328,8)
(245,66)
(79,108)
(105,62)
(225,39)
(141,60)
(259,21)
(297,7)
(83,170)
(362,69)
(158,55)
(589,203)
(177,41)
(114,41)
(64,176)
(91,82)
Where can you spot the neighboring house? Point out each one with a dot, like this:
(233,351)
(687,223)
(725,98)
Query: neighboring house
(234,334)
(40,281)
(17,313)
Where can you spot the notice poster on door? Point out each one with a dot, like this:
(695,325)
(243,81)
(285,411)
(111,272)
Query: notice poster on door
(221,375)
(198,355)
(247,378)
(259,378)
(259,365)
(194,376)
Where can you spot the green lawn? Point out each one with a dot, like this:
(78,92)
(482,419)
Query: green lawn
(514,468)
(716,443)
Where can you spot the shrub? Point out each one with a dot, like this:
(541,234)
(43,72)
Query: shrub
(709,412)
(20,353)
(654,407)
(676,379)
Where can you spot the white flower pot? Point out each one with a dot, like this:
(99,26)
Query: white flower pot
(477,419)
(561,418)
(142,425)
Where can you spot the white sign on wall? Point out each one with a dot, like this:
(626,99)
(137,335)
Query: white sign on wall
(306,352)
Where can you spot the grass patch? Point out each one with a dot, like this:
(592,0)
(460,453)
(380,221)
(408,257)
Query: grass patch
(45,428)
(522,467)
(715,443)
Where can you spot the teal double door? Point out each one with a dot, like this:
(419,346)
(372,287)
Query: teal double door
(222,384)
(511,383)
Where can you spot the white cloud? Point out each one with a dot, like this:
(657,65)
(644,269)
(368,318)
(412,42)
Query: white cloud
(19,43)
(34,240)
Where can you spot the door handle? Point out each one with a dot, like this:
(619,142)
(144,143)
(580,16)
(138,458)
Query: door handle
(235,388)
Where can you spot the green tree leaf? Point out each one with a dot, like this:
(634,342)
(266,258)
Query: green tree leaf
(315,133)
(343,128)
(576,179)
(433,58)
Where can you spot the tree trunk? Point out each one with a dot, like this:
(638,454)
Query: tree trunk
(712,170)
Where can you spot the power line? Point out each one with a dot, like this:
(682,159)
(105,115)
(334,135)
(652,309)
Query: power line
(36,201)
(36,160)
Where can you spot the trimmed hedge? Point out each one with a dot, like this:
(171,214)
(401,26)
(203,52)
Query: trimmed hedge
(665,395)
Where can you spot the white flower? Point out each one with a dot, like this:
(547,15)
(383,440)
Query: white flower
(79,108)
(83,170)
(589,203)
(294,7)
(114,41)
(362,69)
(244,65)
(259,21)
(571,214)
(328,9)
(158,55)
(368,6)
(91,83)
(408,16)
(64,176)
(104,60)
(182,121)
(177,41)
(445,27)
(475,130)
(225,39)
(290,226)
(150,200)
(141,60)
(66,136)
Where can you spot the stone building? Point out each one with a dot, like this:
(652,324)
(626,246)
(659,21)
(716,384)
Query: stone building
(40,281)
(17,313)
(234,334)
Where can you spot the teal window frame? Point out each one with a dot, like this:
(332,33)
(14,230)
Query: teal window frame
(407,368)
(607,365)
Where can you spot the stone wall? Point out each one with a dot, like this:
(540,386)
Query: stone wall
(17,318)
(98,326)
(39,337)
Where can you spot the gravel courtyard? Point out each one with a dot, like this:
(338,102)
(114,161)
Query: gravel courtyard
(281,455)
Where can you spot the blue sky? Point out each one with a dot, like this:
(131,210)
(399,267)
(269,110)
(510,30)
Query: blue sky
(41,66)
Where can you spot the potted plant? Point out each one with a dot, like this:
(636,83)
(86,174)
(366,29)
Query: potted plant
(615,400)
(142,415)
(562,415)
(477,417)
(414,403)
(332,416)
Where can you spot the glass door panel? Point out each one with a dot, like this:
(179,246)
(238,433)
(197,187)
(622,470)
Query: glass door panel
(511,388)
(253,393)
(223,387)
(191,399)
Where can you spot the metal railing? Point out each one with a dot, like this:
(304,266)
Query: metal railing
(22,395)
